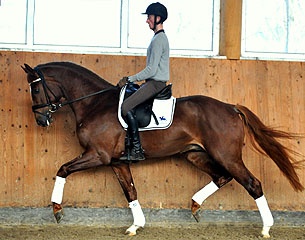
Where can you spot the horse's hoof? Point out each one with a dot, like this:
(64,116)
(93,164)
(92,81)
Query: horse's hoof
(195,210)
(266,235)
(265,232)
(132,230)
(59,216)
(196,215)
(130,233)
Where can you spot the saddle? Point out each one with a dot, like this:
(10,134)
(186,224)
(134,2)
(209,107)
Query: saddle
(144,111)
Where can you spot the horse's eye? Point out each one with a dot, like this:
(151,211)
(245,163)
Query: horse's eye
(36,90)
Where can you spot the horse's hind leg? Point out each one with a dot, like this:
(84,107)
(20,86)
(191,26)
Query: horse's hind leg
(219,176)
(222,174)
(123,174)
(244,177)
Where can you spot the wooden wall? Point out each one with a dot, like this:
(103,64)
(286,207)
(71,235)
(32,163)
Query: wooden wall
(31,155)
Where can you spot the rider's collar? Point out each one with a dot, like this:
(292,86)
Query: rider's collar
(162,30)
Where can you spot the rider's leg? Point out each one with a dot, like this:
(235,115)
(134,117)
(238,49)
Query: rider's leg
(145,92)
(136,153)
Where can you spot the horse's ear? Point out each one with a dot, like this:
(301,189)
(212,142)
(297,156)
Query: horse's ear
(28,69)
(31,73)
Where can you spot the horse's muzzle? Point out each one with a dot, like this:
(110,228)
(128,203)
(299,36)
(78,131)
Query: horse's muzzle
(43,119)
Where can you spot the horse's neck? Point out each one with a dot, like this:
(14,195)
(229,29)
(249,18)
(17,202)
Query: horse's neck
(82,89)
(78,83)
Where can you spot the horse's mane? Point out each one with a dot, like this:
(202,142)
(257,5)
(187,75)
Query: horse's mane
(88,74)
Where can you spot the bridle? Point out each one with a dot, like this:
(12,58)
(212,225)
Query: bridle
(54,106)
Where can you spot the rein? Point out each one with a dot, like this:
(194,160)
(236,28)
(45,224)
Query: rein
(84,97)
(55,106)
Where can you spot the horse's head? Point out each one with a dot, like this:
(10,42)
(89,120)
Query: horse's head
(45,93)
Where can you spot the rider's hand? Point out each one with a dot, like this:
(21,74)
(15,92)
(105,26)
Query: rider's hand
(123,82)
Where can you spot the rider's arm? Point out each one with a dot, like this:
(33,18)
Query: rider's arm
(157,62)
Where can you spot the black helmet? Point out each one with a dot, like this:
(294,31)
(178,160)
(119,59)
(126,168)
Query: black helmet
(157,9)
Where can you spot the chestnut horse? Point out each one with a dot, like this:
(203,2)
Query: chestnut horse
(206,132)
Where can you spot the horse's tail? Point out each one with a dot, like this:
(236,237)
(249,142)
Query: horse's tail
(263,139)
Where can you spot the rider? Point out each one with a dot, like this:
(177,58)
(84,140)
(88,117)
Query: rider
(155,74)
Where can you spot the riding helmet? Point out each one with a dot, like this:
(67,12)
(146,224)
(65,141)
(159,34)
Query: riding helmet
(157,9)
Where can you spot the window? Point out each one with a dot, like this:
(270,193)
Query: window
(77,23)
(107,26)
(192,26)
(273,29)
(12,19)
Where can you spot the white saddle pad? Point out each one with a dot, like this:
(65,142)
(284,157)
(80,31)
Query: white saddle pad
(163,109)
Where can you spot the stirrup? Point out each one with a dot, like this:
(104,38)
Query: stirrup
(137,155)
(124,157)
(133,155)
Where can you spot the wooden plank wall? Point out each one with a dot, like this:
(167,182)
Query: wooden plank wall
(31,155)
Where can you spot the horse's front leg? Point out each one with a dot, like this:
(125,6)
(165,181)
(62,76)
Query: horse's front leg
(82,162)
(57,196)
(122,171)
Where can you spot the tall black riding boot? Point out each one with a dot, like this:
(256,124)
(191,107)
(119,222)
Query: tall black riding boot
(136,153)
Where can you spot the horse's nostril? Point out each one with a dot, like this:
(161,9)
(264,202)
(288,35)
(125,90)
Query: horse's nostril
(39,122)
(42,123)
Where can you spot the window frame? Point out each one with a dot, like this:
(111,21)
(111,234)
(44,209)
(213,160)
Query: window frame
(122,50)
(246,54)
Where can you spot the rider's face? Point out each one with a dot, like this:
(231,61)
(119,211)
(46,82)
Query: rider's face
(151,21)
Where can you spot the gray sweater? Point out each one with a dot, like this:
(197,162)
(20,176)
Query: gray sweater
(157,60)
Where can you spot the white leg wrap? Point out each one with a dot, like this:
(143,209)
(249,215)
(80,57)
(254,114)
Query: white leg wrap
(137,213)
(264,211)
(205,192)
(58,190)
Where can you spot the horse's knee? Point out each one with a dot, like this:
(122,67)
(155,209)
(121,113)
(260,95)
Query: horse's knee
(131,194)
(63,171)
